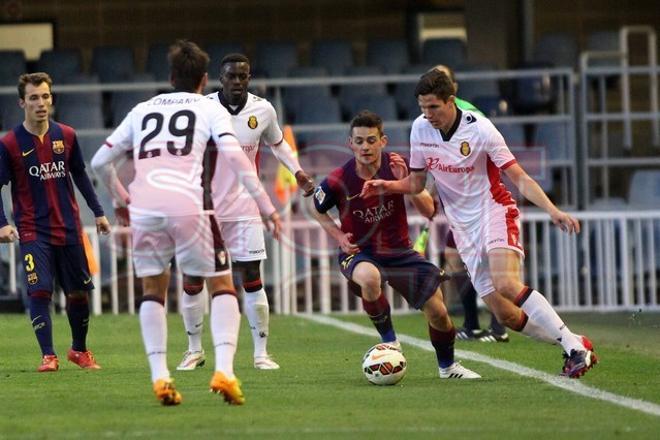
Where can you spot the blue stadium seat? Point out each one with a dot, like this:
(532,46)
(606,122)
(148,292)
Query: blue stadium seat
(559,49)
(448,51)
(327,150)
(80,109)
(275,59)
(404,93)
(351,90)
(334,55)
(514,134)
(121,102)
(492,106)
(157,61)
(533,94)
(471,89)
(113,63)
(294,97)
(391,55)
(11,114)
(89,144)
(12,65)
(644,190)
(321,110)
(383,105)
(217,52)
(60,64)
(603,41)
(553,136)
(398,140)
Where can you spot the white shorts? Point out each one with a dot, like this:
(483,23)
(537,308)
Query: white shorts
(500,228)
(244,239)
(194,240)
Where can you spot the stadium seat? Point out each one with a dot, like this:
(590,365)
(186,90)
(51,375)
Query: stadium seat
(60,64)
(492,106)
(334,55)
(121,102)
(448,51)
(327,150)
(603,41)
(390,55)
(89,144)
(347,92)
(294,97)
(404,93)
(559,49)
(398,140)
(157,64)
(275,59)
(383,105)
(322,110)
(644,190)
(12,65)
(533,94)
(11,114)
(217,52)
(113,63)
(553,136)
(81,110)
(514,134)
(471,89)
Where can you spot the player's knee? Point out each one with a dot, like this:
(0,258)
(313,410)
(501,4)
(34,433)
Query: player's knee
(41,294)
(506,286)
(192,285)
(77,297)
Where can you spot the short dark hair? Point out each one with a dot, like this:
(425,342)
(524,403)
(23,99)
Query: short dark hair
(35,79)
(367,118)
(447,69)
(188,64)
(435,83)
(234,58)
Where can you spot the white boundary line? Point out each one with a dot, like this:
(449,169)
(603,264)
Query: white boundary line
(571,385)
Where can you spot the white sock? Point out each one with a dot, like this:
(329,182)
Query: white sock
(542,316)
(192,310)
(154,334)
(225,323)
(257,312)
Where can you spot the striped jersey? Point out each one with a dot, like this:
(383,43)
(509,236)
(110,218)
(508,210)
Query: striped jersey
(41,173)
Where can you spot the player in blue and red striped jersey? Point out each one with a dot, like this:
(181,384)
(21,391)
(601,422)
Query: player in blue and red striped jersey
(40,158)
(375,246)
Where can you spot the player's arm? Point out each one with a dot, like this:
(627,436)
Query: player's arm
(8,233)
(412,184)
(535,194)
(323,201)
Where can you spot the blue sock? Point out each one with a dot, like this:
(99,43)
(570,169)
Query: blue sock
(77,310)
(443,343)
(41,323)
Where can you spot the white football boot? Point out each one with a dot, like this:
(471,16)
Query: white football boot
(457,371)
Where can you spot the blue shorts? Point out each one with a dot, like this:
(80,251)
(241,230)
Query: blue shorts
(45,263)
(410,274)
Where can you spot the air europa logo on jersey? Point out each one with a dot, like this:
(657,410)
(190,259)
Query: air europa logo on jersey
(433,163)
(375,214)
(48,170)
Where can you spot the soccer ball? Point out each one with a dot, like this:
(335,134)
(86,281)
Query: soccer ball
(384,364)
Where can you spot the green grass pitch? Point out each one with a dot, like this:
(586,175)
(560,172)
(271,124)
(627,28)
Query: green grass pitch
(320,391)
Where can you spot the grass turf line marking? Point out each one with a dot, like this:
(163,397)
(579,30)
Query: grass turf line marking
(572,385)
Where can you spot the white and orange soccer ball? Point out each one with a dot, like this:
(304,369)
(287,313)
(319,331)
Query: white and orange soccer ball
(384,364)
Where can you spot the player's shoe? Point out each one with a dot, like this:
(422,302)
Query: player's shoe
(265,363)
(578,363)
(192,360)
(396,344)
(229,388)
(457,371)
(589,346)
(466,334)
(166,392)
(84,359)
(49,363)
(499,337)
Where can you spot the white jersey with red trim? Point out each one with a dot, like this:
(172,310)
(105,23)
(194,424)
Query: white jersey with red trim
(254,121)
(168,135)
(466,164)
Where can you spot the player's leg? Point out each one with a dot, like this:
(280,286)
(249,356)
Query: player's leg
(39,281)
(76,280)
(366,275)
(193,302)
(537,318)
(465,290)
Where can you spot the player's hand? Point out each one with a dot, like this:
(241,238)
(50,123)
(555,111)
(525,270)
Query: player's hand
(8,234)
(305,183)
(122,216)
(373,188)
(346,244)
(102,225)
(398,166)
(565,222)
(273,224)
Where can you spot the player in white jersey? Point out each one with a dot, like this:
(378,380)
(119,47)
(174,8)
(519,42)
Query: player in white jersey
(466,154)
(255,121)
(168,135)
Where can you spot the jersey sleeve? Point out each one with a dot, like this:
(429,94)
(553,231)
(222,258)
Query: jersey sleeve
(325,197)
(496,147)
(5,177)
(121,139)
(417,161)
(81,179)
(272,135)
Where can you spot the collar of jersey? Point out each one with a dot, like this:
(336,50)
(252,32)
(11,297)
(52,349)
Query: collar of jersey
(447,137)
(225,104)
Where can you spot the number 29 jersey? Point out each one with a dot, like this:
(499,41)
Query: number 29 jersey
(168,136)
